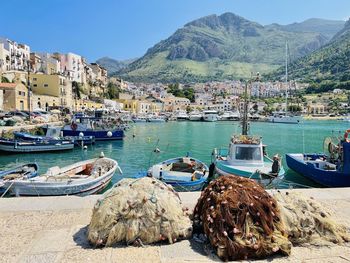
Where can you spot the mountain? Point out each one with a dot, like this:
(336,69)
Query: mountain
(328,28)
(220,47)
(328,66)
(113,65)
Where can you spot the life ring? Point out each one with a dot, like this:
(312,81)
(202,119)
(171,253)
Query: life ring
(74,126)
(346,135)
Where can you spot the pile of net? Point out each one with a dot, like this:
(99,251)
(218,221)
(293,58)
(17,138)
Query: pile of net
(308,222)
(139,211)
(240,219)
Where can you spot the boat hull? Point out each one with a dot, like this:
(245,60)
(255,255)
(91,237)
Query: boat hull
(287,120)
(222,168)
(57,188)
(99,135)
(323,177)
(23,147)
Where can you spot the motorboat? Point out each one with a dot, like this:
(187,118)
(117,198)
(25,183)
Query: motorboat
(181,116)
(285,117)
(195,116)
(331,168)
(81,178)
(210,115)
(22,146)
(183,173)
(96,126)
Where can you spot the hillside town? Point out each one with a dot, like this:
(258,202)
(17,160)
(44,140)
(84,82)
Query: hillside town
(33,80)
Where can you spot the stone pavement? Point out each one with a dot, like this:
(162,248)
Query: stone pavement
(53,229)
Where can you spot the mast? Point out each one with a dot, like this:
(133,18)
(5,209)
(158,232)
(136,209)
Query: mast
(287,86)
(245,111)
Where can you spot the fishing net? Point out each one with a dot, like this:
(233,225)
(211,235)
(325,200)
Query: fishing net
(308,222)
(240,219)
(139,211)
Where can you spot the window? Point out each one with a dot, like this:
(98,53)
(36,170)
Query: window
(35,79)
(248,153)
(35,85)
(46,85)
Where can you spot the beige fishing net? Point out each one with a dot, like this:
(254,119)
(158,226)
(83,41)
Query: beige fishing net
(308,222)
(139,211)
(240,219)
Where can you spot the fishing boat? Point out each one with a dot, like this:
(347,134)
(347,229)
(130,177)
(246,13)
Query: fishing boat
(93,126)
(331,169)
(27,170)
(246,156)
(82,178)
(21,146)
(183,173)
(78,140)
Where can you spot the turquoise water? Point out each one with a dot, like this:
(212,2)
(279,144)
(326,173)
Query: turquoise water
(177,138)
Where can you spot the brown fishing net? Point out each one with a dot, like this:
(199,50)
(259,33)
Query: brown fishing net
(240,219)
(309,222)
(139,211)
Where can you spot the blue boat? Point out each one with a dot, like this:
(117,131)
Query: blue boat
(98,127)
(20,146)
(27,170)
(183,173)
(78,140)
(332,170)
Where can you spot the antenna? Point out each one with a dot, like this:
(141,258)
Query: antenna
(287,76)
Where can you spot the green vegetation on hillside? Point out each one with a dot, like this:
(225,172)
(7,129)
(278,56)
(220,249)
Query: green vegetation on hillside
(325,69)
(218,48)
(183,93)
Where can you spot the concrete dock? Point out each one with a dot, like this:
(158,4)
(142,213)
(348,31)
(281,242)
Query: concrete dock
(53,229)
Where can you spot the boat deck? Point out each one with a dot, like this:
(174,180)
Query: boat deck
(53,229)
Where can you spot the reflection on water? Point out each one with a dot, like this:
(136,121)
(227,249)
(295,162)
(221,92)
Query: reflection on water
(177,138)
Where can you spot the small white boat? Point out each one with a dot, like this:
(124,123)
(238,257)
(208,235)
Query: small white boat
(183,173)
(82,178)
(156,119)
(181,116)
(139,119)
(195,116)
(210,115)
(283,117)
(20,146)
(229,116)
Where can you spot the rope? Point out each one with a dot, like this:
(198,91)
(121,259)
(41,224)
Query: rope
(8,188)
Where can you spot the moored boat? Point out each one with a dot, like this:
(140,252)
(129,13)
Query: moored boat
(331,169)
(246,156)
(27,170)
(82,178)
(195,116)
(183,173)
(94,126)
(210,115)
(181,116)
(21,146)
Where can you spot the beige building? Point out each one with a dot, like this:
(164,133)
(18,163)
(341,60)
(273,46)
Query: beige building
(176,103)
(54,86)
(15,96)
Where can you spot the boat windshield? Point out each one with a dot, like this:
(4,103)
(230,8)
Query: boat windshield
(248,153)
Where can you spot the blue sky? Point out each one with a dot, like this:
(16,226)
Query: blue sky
(124,29)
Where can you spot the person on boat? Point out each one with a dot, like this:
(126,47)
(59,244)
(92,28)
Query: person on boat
(275,165)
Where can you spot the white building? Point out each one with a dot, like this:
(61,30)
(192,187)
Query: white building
(13,56)
(72,66)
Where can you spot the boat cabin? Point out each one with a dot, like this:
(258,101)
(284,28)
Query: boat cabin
(245,150)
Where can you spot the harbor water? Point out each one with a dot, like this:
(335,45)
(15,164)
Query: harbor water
(136,152)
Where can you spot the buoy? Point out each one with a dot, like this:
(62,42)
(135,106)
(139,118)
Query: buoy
(102,155)
(109,134)
(149,139)
(85,147)
(134,135)
(81,134)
